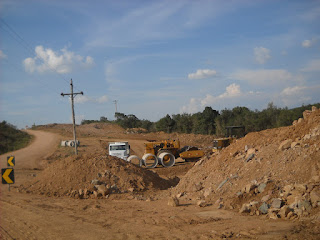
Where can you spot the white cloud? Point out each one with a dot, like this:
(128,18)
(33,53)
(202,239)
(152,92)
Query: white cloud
(202,73)
(232,94)
(2,55)
(265,77)
(310,43)
(297,95)
(312,66)
(47,60)
(86,99)
(103,99)
(232,91)
(262,55)
(306,43)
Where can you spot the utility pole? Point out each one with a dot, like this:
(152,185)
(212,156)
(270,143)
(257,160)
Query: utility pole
(72,95)
(115,103)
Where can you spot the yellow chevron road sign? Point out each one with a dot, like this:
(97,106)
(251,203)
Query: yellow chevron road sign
(7,175)
(11,162)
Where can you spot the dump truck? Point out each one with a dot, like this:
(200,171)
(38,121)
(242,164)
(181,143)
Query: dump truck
(119,149)
(230,137)
(166,152)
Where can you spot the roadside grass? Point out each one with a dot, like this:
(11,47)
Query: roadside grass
(11,138)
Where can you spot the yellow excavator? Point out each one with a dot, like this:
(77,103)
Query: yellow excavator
(167,151)
(220,143)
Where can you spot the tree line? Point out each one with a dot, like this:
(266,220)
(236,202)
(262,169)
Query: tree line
(213,122)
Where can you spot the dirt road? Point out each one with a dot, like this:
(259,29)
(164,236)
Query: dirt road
(43,145)
(32,216)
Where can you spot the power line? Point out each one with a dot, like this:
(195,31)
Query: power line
(27,46)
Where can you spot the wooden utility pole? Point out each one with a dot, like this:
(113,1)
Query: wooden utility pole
(72,95)
(115,103)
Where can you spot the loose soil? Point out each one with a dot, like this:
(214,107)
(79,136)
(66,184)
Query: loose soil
(45,203)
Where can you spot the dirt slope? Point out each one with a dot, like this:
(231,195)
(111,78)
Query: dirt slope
(261,158)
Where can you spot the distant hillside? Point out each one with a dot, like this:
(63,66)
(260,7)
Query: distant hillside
(11,138)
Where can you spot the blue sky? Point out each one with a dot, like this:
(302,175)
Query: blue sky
(155,57)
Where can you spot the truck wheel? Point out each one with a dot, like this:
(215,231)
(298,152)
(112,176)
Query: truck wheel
(166,158)
(135,160)
(149,160)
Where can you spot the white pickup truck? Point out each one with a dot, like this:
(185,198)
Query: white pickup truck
(119,149)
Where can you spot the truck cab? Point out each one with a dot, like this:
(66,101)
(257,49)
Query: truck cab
(119,149)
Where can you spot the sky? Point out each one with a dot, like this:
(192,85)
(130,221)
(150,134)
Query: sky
(155,57)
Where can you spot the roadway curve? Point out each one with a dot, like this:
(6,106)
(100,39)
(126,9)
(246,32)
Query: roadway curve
(30,157)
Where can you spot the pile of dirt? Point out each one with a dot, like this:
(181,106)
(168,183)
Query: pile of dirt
(261,164)
(82,176)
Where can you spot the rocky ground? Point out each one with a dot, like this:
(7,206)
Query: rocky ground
(263,186)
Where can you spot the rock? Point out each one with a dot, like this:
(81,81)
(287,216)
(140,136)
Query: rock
(301,188)
(96,194)
(287,188)
(131,189)
(265,198)
(250,151)
(95,182)
(304,205)
(285,144)
(264,208)
(283,213)
(300,120)
(261,187)
(306,137)
(197,187)
(245,208)
(314,108)
(201,203)
(273,215)
(249,187)
(295,144)
(251,156)
(290,215)
(173,202)
(306,114)
(314,197)
(294,122)
(103,190)
(81,192)
(207,192)
(276,203)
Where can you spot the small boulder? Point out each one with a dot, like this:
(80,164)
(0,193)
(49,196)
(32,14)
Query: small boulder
(276,203)
(300,120)
(283,213)
(249,187)
(315,197)
(265,198)
(261,187)
(173,202)
(201,203)
(264,208)
(285,144)
(314,108)
(245,208)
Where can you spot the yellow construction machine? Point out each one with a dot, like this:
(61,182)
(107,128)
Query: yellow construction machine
(167,151)
(220,143)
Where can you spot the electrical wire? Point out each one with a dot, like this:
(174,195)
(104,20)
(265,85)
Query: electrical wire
(17,37)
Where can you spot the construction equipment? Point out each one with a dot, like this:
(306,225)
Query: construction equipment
(119,149)
(220,143)
(167,151)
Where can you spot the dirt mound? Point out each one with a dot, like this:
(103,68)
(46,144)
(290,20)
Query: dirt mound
(85,175)
(270,159)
